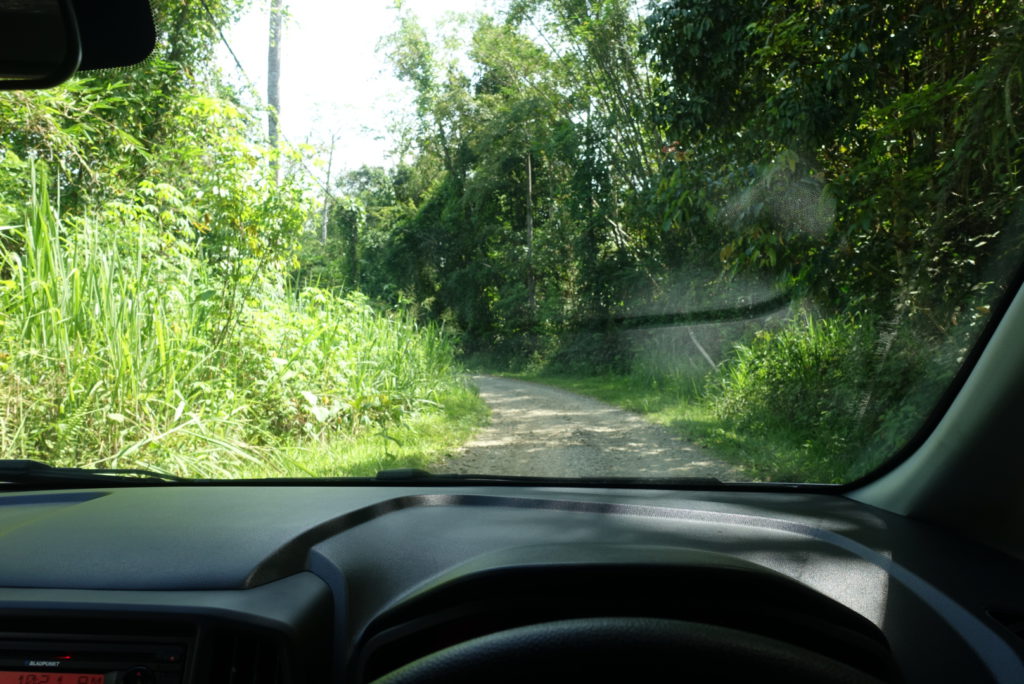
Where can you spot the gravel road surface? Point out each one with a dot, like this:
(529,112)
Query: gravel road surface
(547,432)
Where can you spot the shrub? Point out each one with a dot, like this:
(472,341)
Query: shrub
(845,390)
(794,376)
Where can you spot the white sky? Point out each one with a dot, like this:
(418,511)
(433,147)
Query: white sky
(332,78)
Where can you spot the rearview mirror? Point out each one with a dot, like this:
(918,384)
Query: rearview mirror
(44,42)
(39,43)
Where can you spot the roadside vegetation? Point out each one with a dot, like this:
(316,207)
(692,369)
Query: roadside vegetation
(778,227)
(148,317)
(124,350)
(622,183)
(792,403)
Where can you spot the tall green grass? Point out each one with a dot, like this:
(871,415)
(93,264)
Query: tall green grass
(118,348)
(101,345)
(812,373)
(836,396)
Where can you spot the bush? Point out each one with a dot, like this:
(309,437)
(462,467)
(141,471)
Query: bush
(845,391)
(797,375)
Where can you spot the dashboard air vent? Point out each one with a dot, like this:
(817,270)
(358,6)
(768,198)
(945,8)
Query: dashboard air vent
(238,657)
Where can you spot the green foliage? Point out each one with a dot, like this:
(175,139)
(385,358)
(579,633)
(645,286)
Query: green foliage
(603,160)
(229,197)
(144,316)
(118,350)
(597,159)
(422,440)
(866,153)
(531,169)
(804,376)
(839,394)
(320,265)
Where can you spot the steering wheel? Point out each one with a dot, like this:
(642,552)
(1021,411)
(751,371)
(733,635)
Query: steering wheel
(625,649)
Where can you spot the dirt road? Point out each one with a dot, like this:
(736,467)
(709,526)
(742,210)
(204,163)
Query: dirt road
(547,432)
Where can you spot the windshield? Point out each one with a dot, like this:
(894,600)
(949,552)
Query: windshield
(748,241)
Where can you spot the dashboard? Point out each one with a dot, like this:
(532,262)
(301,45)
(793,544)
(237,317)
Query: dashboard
(252,583)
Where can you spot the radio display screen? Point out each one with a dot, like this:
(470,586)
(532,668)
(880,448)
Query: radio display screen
(49,678)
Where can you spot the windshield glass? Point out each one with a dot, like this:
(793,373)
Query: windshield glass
(751,241)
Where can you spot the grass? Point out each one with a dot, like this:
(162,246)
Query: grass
(120,348)
(421,441)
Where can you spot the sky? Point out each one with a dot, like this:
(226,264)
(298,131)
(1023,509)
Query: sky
(333,80)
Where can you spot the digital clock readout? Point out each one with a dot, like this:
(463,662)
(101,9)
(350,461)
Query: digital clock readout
(49,678)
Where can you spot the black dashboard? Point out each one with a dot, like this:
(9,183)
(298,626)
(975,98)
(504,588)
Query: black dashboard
(319,583)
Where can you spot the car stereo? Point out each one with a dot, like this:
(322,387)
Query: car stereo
(68,661)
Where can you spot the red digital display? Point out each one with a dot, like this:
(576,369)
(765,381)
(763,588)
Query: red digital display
(49,678)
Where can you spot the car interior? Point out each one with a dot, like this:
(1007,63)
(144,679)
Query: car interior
(912,574)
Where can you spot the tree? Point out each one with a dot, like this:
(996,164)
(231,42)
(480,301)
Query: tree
(349,217)
(873,107)
(274,76)
(519,238)
(325,214)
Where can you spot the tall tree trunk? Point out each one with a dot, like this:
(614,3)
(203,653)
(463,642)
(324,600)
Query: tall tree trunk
(531,284)
(327,194)
(274,80)
(593,306)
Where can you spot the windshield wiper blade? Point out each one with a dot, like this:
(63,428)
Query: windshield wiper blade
(418,476)
(24,471)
